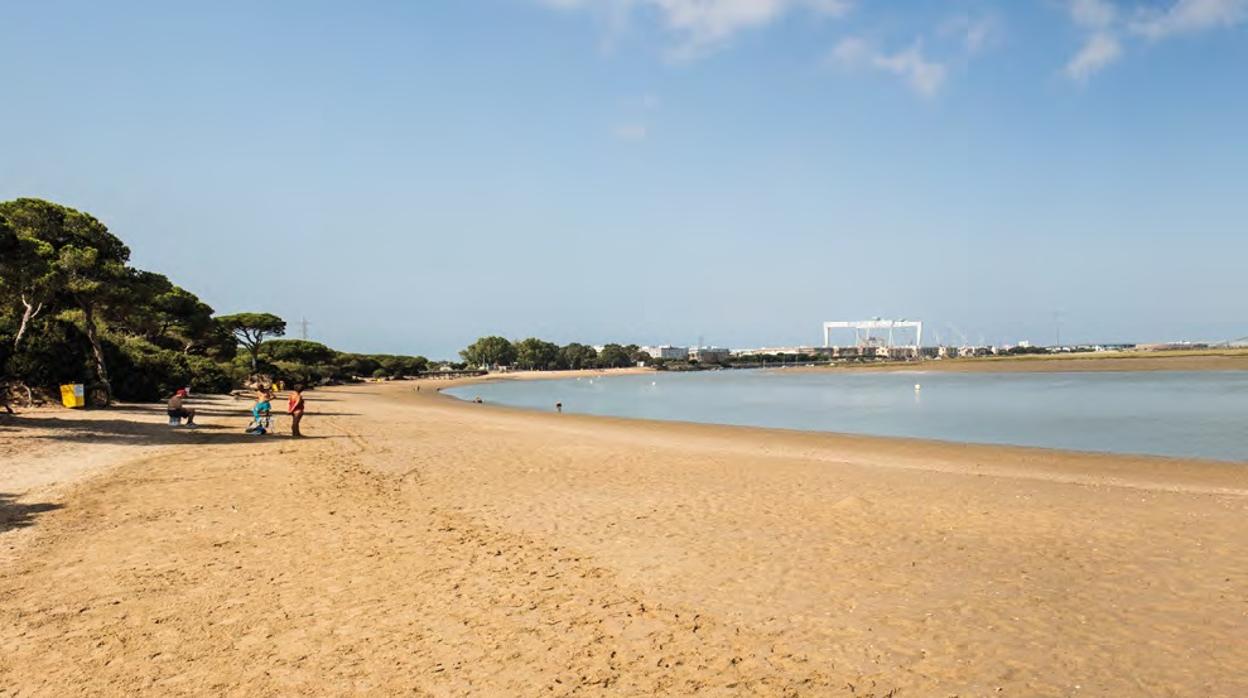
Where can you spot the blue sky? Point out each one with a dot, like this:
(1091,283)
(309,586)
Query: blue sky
(411,175)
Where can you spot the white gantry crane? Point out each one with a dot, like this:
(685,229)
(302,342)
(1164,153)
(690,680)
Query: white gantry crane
(886,330)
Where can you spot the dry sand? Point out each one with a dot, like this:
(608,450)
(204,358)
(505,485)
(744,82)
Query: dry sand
(423,546)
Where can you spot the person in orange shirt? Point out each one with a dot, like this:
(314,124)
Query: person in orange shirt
(294,407)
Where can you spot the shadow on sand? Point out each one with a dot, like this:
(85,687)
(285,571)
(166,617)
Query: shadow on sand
(245,409)
(14,514)
(136,424)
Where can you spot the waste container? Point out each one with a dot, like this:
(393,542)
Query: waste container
(74,395)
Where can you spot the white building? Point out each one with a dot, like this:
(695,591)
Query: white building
(667,352)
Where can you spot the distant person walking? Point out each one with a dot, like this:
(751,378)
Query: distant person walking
(178,409)
(294,406)
(559,407)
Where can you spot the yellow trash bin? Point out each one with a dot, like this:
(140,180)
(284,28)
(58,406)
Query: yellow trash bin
(74,395)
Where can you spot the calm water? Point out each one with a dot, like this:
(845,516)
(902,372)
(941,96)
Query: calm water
(1197,414)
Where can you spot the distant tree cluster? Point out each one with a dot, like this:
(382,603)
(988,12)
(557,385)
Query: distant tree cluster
(1017,351)
(312,362)
(73,310)
(535,354)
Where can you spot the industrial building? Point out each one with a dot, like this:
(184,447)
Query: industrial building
(878,337)
(709,355)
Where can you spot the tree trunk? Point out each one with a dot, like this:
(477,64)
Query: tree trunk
(27,315)
(253,346)
(101,371)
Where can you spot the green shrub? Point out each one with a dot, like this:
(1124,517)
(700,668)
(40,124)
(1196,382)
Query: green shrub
(208,376)
(143,372)
(53,353)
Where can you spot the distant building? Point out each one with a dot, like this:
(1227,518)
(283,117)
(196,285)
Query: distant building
(899,353)
(667,352)
(709,355)
(790,351)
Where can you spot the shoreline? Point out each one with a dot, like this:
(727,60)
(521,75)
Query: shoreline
(1096,468)
(880,441)
(1110,362)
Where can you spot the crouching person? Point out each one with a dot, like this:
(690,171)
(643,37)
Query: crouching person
(179,411)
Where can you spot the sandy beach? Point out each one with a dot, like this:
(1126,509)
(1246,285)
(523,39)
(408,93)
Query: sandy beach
(421,545)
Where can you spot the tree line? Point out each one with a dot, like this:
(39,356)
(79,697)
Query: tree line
(73,310)
(535,354)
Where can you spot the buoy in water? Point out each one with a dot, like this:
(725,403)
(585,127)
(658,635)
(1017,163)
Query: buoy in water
(917,387)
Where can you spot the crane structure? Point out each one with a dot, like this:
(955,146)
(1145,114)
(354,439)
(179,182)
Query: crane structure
(885,332)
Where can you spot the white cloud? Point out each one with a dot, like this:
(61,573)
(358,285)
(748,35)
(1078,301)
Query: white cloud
(924,76)
(1189,17)
(1099,51)
(704,25)
(1105,23)
(852,52)
(974,33)
(1100,47)
(1092,14)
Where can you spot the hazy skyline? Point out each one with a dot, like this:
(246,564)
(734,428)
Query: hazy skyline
(655,170)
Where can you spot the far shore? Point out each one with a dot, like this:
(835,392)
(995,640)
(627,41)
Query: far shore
(1213,360)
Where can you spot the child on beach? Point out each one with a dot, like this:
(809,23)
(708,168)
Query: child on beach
(294,407)
(260,413)
(263,405)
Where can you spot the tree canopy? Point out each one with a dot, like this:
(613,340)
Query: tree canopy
(251,329)
(71,306)
(70,257)
(490,351)
(578,356)
(298,350)
(614,356)
(534,354)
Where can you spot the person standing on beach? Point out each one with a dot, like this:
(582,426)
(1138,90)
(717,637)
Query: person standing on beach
(294,407)
(559,407)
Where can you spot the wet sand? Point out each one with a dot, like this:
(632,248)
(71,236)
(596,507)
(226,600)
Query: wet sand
(419,544)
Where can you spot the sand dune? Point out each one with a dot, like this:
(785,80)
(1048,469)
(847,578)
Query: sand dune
(423,545)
